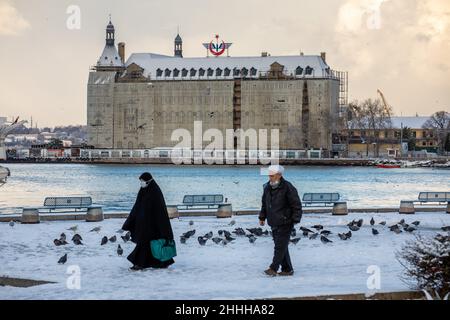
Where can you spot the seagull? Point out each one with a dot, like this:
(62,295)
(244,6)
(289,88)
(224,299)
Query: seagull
(372,221)
(113,239)
(63,259)
(11,223)
(74,228)
(202,240)
(96,229)
(104,240)
(295,240)
(119,250)
(216,240)
(374,231)
(325,239)
(232,223)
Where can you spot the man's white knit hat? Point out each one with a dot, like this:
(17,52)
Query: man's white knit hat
(274,169)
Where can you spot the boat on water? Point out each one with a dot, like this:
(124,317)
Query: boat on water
(4,174)
(388,166)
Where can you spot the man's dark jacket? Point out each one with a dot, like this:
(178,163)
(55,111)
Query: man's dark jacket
(282,205)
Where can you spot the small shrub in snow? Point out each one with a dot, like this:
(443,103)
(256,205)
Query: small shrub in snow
(427,263)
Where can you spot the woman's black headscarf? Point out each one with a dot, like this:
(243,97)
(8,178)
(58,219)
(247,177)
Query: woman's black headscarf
(148,219)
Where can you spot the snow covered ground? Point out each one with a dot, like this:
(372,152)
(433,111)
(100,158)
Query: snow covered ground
(212,271)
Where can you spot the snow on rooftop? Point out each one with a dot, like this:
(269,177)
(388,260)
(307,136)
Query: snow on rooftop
(410,122)
(152,62)
(212,271)
(109,58)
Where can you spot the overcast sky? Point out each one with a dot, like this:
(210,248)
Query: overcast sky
(399,46)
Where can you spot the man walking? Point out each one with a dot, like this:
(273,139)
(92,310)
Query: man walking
(282,208)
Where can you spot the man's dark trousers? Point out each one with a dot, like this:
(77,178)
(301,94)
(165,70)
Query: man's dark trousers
(281,235)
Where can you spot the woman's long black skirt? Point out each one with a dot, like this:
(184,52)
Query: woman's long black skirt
(142,257)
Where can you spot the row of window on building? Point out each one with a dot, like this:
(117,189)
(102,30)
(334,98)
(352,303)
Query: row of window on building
(219,72)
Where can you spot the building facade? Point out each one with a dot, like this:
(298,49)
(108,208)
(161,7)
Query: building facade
(139,102)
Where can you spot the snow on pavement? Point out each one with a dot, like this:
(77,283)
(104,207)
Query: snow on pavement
(212,271)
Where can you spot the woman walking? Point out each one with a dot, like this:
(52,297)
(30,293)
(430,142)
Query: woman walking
(148,220)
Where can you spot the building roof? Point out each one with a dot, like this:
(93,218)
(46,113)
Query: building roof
(410,122)
(109,58)
(292,64)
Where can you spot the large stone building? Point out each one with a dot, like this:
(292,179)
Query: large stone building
(138,102)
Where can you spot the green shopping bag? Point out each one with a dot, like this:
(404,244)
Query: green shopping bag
(163,249)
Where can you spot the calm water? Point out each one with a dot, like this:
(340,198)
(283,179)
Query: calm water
(115,186)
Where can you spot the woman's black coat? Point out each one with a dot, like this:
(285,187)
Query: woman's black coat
(149,220)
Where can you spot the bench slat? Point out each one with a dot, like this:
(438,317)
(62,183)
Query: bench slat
(321,197)
(206,199)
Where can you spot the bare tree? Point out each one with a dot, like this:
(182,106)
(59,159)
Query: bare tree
(439,122)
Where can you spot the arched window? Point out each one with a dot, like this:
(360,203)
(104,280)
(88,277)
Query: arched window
(218,72)
(176,72)
(308,70)
(184,72)
(201,72)
(298,71)
(244,72)
(227,72)
(236,72)
(210,72)
(167,72)
(193,72)
(253,72)
(159,72)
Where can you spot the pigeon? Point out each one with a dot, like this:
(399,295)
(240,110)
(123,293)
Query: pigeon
(202,240)
(188,234)
(295,240)
(353,228)
(216,240)
(397,230)
(77,242)
(74,228)
(401,222)
(119,250)
(348,234)
(325,239)
(318,227)
(343,236)
(62,237)
(104,240)
(226,233)
(372,221)
(232,223)
(416,223)
(77,237)
(359,223)
(11,223)
(409,229)
(96,229)
(383,223)
(325,232)
(113,239)
(191,223)
(293,232)
(313,236)
(239,232)
(63,259)
(255,231)
(229,237)
(394,227)
(208,235)
(183,239)
(374,231)
(225,242)
(126,237)
(445,228)
(305,230)
(252,238)
(57,242)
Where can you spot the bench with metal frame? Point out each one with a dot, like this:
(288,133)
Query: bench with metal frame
(320,199)
(201,201)
(65,203)
(424,198)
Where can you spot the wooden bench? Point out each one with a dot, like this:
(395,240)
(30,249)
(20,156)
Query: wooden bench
(326,200)
(407,206)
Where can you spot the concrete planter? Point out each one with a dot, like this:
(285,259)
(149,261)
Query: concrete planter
(406,207)
(94,214)
(30,216)
(224,211)
(448,208)
(340,209)
(172,210)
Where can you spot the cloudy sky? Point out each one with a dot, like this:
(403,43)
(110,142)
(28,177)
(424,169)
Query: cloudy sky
(399,46)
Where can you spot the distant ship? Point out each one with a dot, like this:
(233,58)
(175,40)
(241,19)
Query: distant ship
(4,174)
